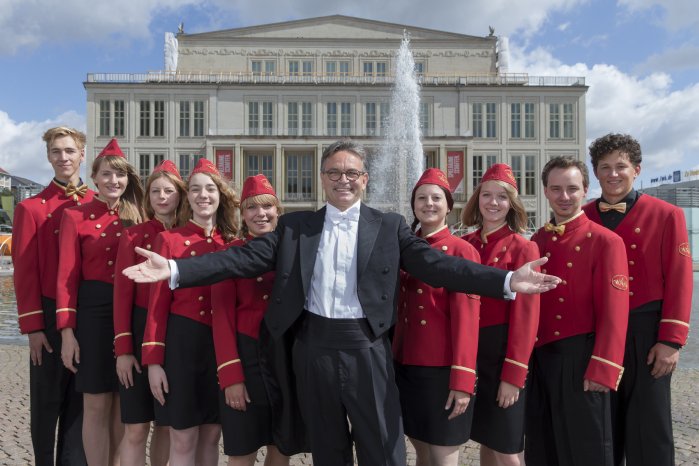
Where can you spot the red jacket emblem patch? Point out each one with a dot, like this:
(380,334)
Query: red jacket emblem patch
(620,282)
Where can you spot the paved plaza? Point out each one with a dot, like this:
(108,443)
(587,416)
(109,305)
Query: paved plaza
(15,444)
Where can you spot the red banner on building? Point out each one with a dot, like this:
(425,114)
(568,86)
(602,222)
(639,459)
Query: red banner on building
(224,162)
(455,171)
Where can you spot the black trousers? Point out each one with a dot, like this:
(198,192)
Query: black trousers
(566,426)
(347,392)
(53,400)
(641,409)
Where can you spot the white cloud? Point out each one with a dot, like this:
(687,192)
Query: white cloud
(29,24)
(678,58)
(23,152)
(564,26)
(663,121)
(676,14)
(471,17)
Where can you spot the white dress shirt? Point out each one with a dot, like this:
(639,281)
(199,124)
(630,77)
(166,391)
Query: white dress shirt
(333,290)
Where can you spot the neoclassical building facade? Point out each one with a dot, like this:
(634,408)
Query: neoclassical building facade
(268,99)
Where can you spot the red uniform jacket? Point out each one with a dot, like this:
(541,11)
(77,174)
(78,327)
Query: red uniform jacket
(435,327)
(193,303)
(505,249)
(592,297)
(660,263)
(35,250)
(128,293)
(88,242)
(239,306)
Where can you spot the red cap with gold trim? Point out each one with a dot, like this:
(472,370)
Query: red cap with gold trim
(167,166)
(256,185)
(434,176)
(113,149)
(500,172)
(205,165)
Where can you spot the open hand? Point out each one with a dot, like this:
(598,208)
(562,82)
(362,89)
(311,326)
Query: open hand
(528,280)
(154,269)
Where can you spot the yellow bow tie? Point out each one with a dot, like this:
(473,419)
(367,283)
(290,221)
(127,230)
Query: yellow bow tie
(75,191)
(619,207)
(560,229)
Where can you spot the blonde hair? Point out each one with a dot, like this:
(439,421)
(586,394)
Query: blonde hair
(60,131)
(181,190)
(516,217)
(227,214)
(260,199)
(131,200)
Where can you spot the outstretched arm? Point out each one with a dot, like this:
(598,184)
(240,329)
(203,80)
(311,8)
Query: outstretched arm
(527,280)
(154,269)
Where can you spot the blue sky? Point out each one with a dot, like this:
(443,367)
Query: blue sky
(639,57)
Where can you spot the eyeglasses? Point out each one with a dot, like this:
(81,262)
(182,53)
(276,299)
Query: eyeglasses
(335,175)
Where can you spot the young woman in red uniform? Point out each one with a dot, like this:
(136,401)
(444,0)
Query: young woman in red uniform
(239,305)
(178,345)
(88,241)
(507,328)
(165,195)
(435,340)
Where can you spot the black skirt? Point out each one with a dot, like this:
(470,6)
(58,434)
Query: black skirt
(190,367)
(94,331)
(500,429)
(244,432)
(137,402)
(423,395)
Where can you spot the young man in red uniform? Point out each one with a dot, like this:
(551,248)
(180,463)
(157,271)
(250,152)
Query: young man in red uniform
(660,299)
(35,256)
(579,350)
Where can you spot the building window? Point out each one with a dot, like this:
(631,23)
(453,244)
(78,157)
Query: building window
(481,163)
(259,162)
(191,118)
(263,67)
(561,121)
(524,169)
(300,118)
(531,222)
(146,164)
(424,117)
(144,118)
(522,120)
(338,118)
(300,67)
(337,68)
(185,117)
(299,176)
(159,118)
(370,119)
(151,118)
(260,118)
(431,159)
(485,120)
(419,68)
(112,118)
(187,163)
(376,115)
(374,68)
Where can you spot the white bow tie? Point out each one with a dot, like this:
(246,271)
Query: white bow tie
(337,216)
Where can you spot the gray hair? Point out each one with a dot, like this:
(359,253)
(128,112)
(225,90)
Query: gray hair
(346,145)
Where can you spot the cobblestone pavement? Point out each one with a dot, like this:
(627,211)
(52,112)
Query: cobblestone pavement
(15,444)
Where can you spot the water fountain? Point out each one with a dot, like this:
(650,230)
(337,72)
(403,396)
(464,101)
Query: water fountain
(400,160)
